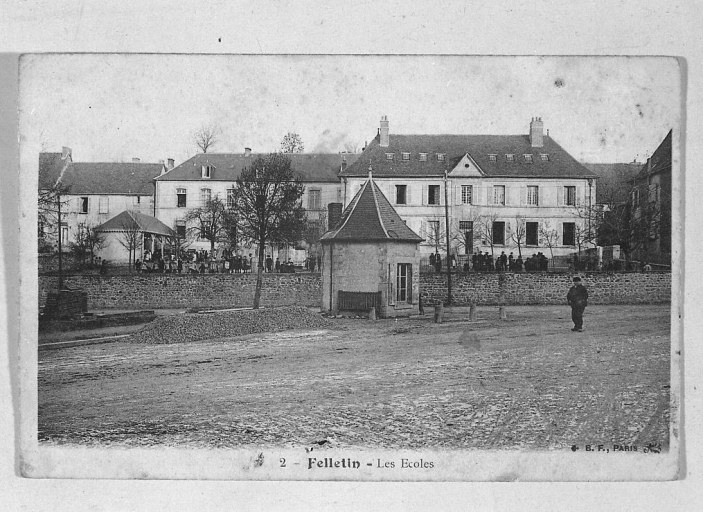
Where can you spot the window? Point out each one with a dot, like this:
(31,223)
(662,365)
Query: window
(181,228)
(83,205)
(181,195)
(570,196)
(231,198)
(544,157)
(440,157)
(423,157)
(404,287)
(207,171)
(531,230)
(103,204)
(136,200)
(64,235)
(569,234)
(433,230)
(528,158)
(406,156)
(205,196)
(509,157)
(492,158)
(466,227)
(467,194)
(314,199)
(499,233)
(499,194)
(433,194)
(401,194)
(389,156)
(533,195)
(339,195)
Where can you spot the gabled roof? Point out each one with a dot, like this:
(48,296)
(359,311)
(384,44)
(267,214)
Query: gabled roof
(560,164)
(613,181)
(129,178)
(370,217)
(660,161)
(311,167)
(129,220)
(51,165)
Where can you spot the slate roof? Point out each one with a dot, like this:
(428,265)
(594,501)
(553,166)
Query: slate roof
(613,181)
(129,178)
(560,164)
(135,220)
(50,167)
(311,167)
(660,160)
(370,217)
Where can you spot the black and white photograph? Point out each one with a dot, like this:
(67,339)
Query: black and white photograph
(418,268)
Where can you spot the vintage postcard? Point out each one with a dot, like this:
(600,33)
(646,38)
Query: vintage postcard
(373,268)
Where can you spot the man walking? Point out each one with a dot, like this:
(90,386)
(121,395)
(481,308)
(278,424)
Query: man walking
(578,300)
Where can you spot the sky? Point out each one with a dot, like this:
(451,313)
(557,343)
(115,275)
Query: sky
(113,107)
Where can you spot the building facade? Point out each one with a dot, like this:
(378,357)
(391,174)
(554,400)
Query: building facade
(93,192)
(501,191)
(208,175)
(651,204)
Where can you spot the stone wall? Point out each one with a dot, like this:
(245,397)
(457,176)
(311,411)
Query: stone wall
(164,291)
(156,291)
(548,288)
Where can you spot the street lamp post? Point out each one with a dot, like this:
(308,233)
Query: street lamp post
(446,231)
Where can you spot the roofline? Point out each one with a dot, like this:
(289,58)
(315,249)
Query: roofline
(374,240)
(521,176)
(378,211)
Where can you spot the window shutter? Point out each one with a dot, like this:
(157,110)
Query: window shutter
(561,191)
(410,284)
(424,194)
(508,190)
(523,196)
(579,196)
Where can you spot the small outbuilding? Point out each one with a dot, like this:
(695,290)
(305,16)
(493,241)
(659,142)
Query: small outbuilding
(371,259)
(133,232)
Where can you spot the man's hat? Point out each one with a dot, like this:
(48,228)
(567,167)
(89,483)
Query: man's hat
(577,279)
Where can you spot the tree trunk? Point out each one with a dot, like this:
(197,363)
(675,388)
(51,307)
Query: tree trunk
(259,274)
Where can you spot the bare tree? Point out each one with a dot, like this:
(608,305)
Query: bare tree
(130,237)
(212,221)
(549,236)
(435,235)
(519,233)
(207,136)
(292,143)
(485,231)
(86,241)
(269,206)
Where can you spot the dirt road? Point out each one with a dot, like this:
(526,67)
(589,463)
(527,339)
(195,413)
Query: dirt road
(525,382)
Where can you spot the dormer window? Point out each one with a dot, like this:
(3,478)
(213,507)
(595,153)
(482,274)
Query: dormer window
(492,158)
(207,170)
(440,157)
(509,157)
(389,156)
(544,157)
(528,158)
(423,157)
(406,156)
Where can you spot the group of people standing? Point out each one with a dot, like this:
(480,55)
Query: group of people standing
(484,262)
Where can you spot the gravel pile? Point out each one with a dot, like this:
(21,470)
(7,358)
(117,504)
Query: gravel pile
(194,327)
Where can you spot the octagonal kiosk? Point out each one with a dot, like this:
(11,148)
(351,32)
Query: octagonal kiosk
(370,259)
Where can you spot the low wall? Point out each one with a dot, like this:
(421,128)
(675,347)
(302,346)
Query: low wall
(548,287)
(164,291)
(158,291)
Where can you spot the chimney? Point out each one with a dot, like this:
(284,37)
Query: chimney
(247,152)
(66,153)
(344,161)
(536,132)
(170,163)
(135,160)
(334,215)
(384,139)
